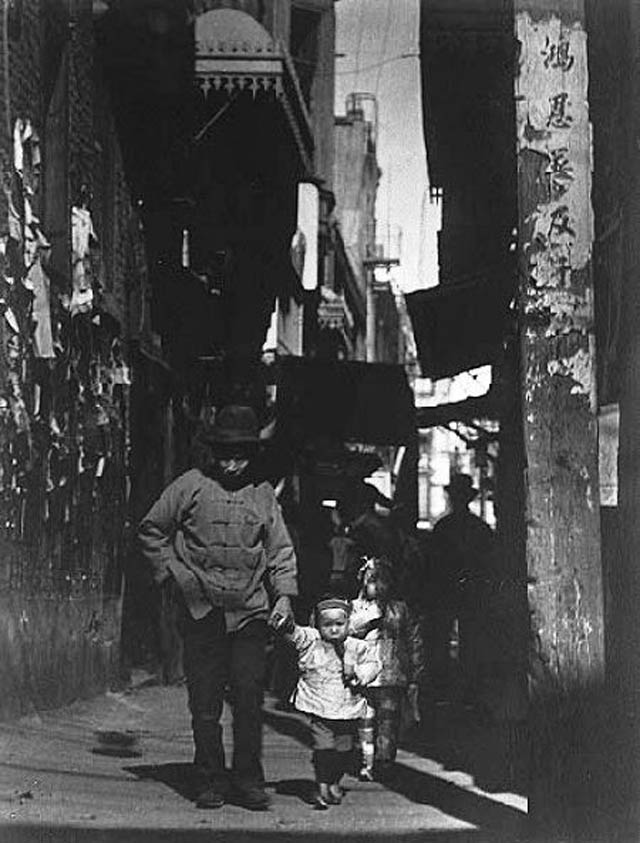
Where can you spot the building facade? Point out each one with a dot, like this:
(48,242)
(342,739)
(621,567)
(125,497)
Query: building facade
(156,154)
(72,268)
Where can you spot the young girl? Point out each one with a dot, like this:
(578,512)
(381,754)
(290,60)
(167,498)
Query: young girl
(333,670)
(387,625)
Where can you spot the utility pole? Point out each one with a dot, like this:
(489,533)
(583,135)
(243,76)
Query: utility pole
(559,410)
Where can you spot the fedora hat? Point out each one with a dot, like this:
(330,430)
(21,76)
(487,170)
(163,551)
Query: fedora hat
(235,424)
(461,485)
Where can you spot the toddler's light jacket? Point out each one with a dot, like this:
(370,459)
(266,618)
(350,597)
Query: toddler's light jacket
(321,688)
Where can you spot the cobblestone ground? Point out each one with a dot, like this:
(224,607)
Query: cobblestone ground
(58,783)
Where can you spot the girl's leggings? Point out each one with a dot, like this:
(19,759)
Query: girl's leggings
(378,729)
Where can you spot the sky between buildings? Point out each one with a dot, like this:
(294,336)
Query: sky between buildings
(379,40)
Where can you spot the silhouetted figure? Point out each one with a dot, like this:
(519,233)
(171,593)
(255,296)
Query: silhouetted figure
(464,546)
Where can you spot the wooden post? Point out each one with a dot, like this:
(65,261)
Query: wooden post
(559,408)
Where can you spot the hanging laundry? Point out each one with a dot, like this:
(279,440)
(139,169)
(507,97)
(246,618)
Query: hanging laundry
(42,336)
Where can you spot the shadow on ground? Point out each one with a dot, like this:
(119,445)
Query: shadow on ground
(495,754)
(179,776)
(425,789)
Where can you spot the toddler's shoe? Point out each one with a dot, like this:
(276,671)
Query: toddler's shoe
(321,798)
(335,794)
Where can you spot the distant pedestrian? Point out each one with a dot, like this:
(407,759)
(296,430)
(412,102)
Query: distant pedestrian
(465,554)
(220,536)
(334,669)
(388,626)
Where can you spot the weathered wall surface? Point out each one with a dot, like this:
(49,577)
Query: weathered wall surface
(63,372)
(56,649)
(559,410)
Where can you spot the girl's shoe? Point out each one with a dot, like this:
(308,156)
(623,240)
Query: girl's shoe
(365,774)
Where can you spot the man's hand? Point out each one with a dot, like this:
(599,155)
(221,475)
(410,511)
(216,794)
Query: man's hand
(281,617)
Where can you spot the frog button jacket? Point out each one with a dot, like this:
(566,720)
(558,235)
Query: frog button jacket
(229,549)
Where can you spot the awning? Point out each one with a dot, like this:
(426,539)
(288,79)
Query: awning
(458,327)
(486,406)
(370,403)
(235,53)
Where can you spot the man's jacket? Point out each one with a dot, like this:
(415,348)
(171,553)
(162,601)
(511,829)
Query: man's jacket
(229,549)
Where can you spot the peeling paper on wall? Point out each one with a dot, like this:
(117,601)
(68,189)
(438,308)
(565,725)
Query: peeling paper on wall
(566,311)
(580,368)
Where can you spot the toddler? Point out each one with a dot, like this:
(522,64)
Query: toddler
(333,670)
(388,626)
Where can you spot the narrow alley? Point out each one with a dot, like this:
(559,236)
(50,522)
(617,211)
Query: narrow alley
(59,782)
(260,436)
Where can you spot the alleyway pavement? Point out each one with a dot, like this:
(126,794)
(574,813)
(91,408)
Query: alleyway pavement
(60,783)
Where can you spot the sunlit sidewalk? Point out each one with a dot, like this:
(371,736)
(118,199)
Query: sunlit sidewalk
(58,782)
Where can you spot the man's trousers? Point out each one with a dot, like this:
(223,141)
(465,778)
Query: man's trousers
(215,660)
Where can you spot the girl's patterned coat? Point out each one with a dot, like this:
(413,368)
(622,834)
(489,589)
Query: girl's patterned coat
(396,640)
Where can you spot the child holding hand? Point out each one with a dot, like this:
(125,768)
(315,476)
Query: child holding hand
(334,668)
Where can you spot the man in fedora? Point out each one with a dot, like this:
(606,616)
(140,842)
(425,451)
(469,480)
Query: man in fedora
(221,538)
(464,546)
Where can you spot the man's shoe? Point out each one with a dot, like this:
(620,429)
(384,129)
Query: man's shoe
(253,797)
(211,798)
